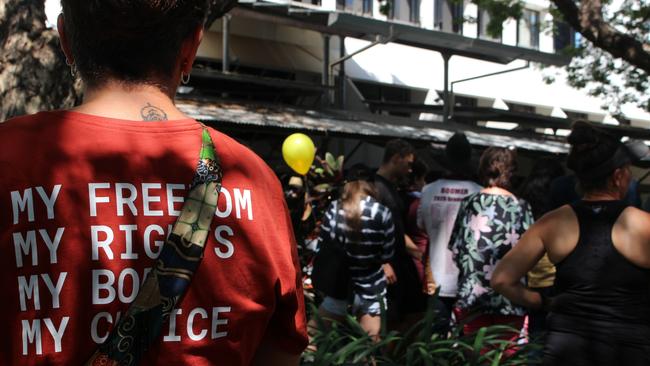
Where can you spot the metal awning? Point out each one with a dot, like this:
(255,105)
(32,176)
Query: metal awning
(369,127)
(524,119)
(351,25)
(274,83)
(444,42)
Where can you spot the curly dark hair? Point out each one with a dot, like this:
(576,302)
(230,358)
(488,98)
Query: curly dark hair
(496,167)
(536,188)
(590,147)
(132,41)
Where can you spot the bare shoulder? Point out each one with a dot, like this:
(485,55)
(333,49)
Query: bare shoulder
(561,216)
(559,231)
(631,236)
(636,220)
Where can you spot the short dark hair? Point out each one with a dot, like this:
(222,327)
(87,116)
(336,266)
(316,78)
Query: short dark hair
(590,147)
(419,169)
(397,147)
(132,41)
(458,150)
(536,189)
(496,167)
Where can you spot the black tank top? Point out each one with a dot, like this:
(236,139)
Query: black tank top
(595,282)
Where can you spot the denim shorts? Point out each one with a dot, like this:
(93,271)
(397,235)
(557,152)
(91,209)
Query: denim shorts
(359,306)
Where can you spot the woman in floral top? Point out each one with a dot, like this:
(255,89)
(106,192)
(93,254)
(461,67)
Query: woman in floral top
(488,225)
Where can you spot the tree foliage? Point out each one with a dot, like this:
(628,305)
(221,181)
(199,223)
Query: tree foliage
(611,58)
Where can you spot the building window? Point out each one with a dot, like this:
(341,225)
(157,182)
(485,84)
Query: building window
(462,101)
(528,29)
(563,36)
(456,10)
(385,93)
(522,108)
(414,16)
(355,6)
(574,116)
(448,15)
(405,10)
(483,20)
(624,121)
(437,14)
(367,7)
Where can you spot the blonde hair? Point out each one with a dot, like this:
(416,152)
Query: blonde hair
(353,193)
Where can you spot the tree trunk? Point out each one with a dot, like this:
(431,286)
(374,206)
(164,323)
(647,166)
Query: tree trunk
(33,73)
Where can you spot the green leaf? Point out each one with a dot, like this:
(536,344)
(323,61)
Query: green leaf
(478,341)
(324,187)
(329,158)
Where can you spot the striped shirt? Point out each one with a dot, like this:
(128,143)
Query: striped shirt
(367,251)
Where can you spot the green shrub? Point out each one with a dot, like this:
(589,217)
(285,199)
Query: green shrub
(346,343)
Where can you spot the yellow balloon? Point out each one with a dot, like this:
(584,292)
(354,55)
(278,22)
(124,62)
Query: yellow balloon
(298,152)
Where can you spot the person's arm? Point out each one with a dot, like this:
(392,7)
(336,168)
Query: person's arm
(419,217)
(388,249)
(429,283)
(411,248)
(389,272)
(507,276)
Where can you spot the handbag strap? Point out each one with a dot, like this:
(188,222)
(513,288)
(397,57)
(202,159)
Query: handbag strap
(179,259)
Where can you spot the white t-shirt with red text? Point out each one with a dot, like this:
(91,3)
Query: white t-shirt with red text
(438,209)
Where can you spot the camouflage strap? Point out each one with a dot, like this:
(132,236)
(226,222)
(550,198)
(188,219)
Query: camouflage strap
(178,261)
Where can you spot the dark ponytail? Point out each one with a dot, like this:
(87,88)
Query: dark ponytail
(590,148)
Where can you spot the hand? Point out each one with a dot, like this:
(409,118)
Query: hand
(430,288)
(391,278)
(415,253)
(411,248)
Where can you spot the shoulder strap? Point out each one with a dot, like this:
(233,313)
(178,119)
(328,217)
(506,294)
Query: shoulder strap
(179,259)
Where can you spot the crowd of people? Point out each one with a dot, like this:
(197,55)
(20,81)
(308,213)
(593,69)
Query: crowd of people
(112,256)
(481,247)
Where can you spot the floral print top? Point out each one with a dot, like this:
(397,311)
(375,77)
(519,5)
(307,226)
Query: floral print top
(486,228)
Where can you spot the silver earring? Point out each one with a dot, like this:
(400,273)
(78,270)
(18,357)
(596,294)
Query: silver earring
(185,79)
(73,68)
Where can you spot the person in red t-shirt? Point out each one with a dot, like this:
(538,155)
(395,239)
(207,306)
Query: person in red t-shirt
(90,194)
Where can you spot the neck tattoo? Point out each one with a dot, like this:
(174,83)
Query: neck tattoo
(152,113)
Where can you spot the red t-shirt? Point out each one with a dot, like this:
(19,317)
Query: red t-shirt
(85,205)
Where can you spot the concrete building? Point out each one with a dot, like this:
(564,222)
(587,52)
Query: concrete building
(354,73)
